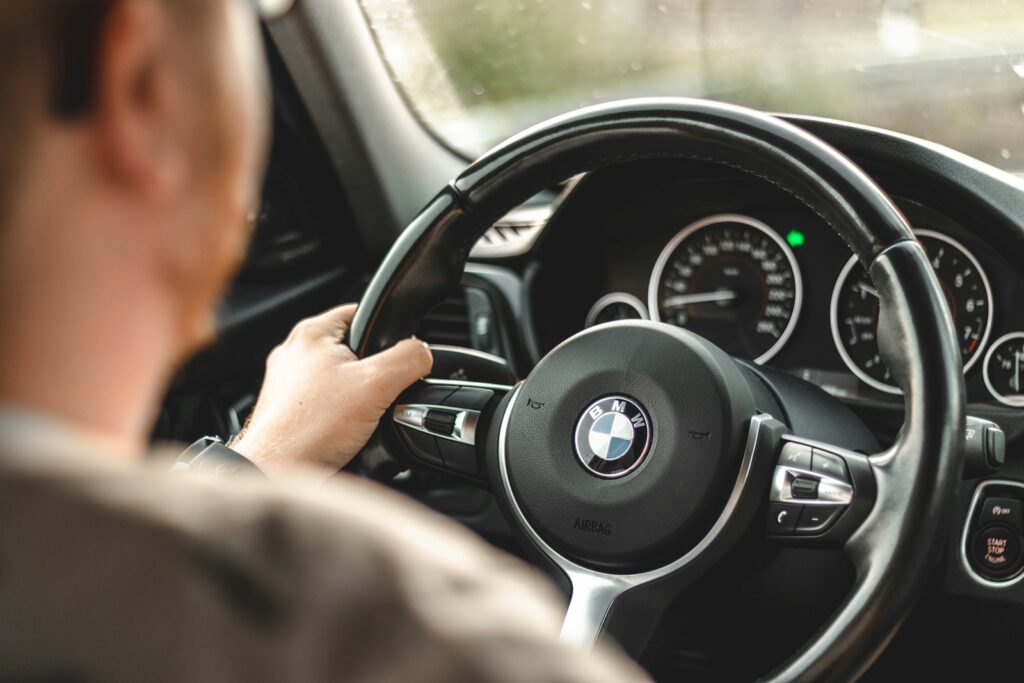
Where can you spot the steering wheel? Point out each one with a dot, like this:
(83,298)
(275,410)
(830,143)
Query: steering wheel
(637,455)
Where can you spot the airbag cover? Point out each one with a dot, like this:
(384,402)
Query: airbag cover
(698,404)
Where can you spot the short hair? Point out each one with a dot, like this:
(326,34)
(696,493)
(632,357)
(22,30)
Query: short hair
(48,51)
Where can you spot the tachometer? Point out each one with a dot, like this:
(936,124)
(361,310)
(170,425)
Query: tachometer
(855,309)
(732,280)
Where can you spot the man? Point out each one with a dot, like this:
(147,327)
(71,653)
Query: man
(131,138)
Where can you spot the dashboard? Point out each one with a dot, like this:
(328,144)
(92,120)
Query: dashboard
(750,268)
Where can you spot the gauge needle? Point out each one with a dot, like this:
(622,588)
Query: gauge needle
(1016,370)
(867,289)
(700,298)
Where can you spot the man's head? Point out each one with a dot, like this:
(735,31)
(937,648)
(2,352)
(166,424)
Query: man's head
(132,139)
(142,122)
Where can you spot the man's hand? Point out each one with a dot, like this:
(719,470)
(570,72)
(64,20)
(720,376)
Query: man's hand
(319,403)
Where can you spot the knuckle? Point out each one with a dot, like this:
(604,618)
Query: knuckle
(418,356)
(275,354)
(304,326)
(426,359)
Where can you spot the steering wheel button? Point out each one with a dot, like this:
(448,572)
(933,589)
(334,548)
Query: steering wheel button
(835,492)
(817,518)
(997,550)
(423,446)
(805,488)
(459,457)
(796,455)
(829,465)
(440,422)
(782,517)
(432,395)
(469,398)
(1008,511)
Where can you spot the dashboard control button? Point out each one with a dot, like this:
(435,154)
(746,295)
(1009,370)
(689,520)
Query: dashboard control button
(829,465)
(782,517)
(805,488)
(817,518)
(1009,511)
(796,455)
(997,550)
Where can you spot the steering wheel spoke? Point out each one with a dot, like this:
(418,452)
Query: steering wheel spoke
(628,606)
(820,494)
(442,424)
(594,594)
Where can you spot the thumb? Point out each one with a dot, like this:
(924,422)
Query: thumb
(395,369)
(333,324)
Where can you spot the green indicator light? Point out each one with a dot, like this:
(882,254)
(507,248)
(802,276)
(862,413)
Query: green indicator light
(795,238)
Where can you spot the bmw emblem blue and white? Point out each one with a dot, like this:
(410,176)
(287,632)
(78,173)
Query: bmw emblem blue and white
(613,436)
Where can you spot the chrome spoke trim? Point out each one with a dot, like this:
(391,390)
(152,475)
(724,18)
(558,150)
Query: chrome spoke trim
(414,416)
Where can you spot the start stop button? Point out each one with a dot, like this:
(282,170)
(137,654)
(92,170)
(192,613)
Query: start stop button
(997,550)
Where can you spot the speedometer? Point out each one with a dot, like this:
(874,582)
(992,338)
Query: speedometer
(855,309)
(732,280)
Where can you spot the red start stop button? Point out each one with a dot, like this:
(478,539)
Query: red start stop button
(997,550)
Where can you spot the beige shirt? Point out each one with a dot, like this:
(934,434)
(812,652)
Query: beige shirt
(111,571)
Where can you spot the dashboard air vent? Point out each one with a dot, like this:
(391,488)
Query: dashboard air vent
(514,234)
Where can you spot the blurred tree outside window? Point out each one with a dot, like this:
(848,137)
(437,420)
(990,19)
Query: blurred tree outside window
(951,71)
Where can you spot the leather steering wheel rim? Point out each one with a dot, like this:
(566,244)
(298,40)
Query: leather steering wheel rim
(895,548)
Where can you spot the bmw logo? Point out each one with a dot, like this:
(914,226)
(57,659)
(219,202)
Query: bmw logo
(613,437)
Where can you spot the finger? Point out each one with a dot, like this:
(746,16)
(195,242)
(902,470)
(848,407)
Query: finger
(333,324)
(394,370)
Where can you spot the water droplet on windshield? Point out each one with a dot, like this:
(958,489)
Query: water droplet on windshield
(1004,153)
(479,90)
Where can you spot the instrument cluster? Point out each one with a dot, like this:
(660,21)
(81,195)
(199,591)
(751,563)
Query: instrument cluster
(757,286)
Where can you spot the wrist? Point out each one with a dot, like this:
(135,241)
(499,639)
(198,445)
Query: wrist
(211,456)
(246,445)
(275,458)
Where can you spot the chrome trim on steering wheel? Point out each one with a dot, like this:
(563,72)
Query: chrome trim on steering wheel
(414,416)
(594,592)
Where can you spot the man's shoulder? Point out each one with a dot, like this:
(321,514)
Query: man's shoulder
(292,542)
(246,518)
(229,580)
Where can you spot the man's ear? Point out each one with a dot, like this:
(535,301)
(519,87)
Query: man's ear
(138,99)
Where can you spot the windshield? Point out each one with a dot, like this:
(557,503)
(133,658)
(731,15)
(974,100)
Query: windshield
(951,71)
